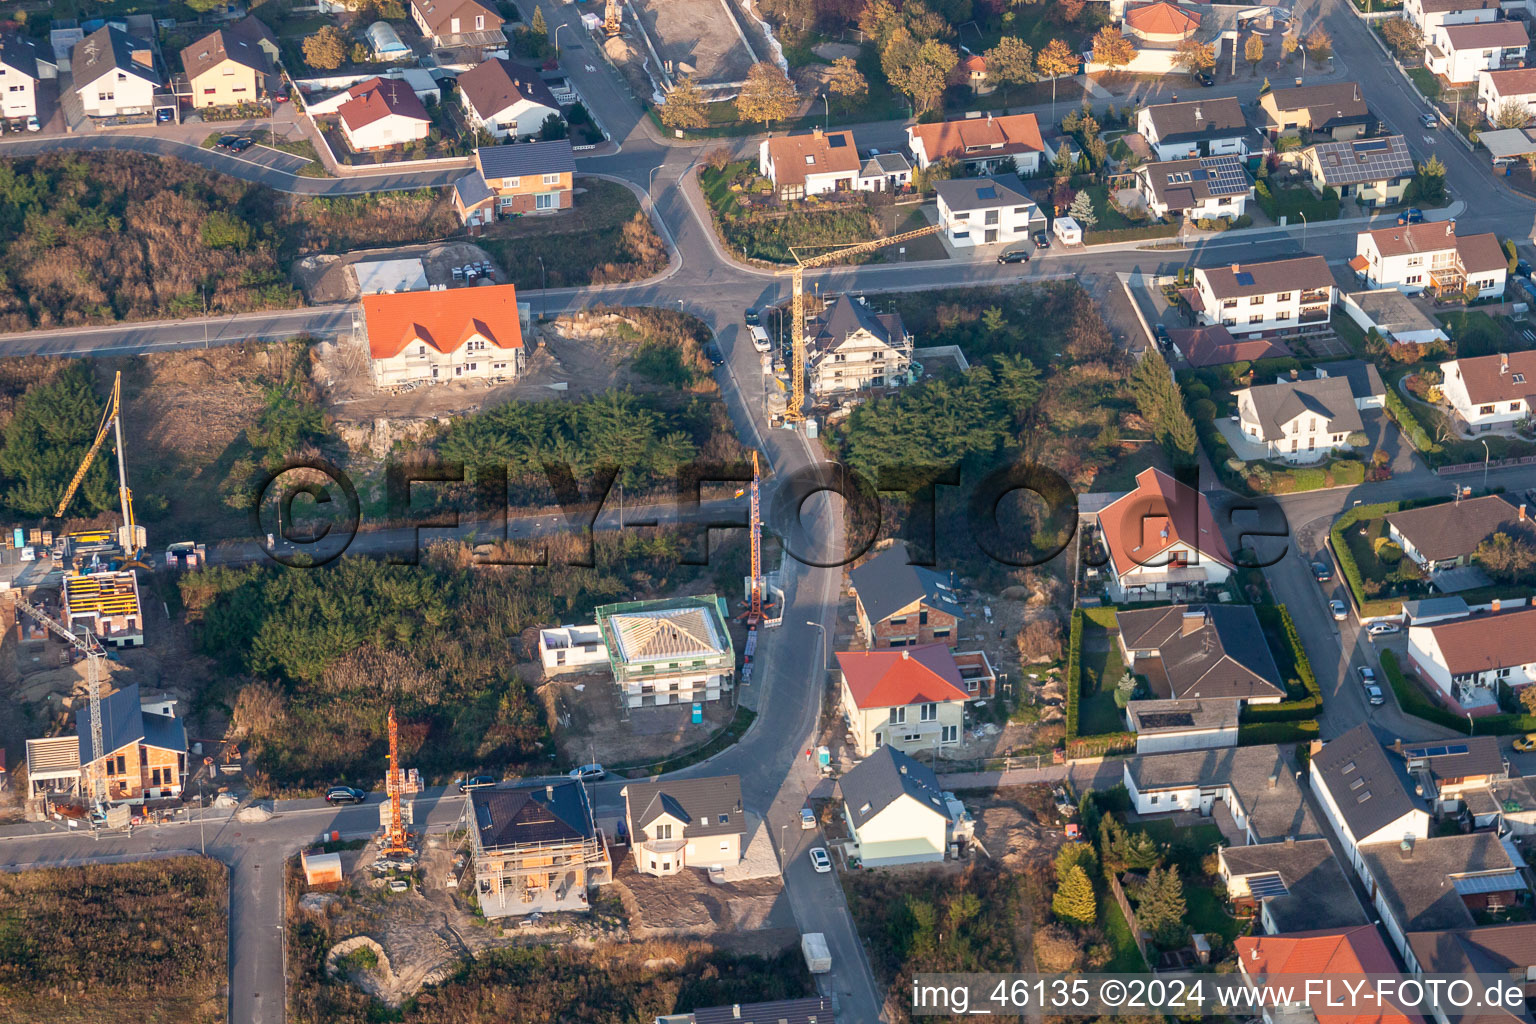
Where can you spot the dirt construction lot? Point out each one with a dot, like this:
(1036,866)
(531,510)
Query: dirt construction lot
(594,727)
(698,37)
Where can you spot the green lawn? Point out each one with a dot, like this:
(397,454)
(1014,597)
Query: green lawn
(1186,845)
(1207,912)
(1428,84)
(590,243)
(1102,669)
(1127,958)
(1295,203)
(1475,333)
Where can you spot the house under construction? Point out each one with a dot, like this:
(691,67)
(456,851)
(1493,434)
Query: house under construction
(669,652)
(536,847)
(107,604)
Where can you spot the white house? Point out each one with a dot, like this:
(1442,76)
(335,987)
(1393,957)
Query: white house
(1276,296)
(1362,796)
(1213,127)
(1445,535)
(912,698)
(1467,659)
(1209,187)
(1163,726)
(464,333)
(19,76)
(895,810)
(884,172)
(1305,419)
(1256,783)
(981,145)
(685,823)
(852,347)
(1489,392)
(1459,52)
(986,211)
(808,165)
(506,99)
(459,24)
(1496,88)
(383,112)
(1429,15)
(1297,886)
(114,73)
(572,649)
(1430,255)
(1161,541)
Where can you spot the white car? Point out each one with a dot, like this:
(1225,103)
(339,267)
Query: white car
(1339,610)
(1373,694)
(33,125)
(820,861)
(1367,676)
(1384,628)
(588,772)
(807,819)
(760,339)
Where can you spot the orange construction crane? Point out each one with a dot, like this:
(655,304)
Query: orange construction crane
(795,413)
(394,784)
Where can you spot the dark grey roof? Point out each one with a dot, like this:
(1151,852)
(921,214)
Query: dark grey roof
(1196,120)
(1275,811)
(884,163)
(887,583)
(706,807)
(814,1010)
(513,160)
(1318,894)
(1453,529)
(1381,158)
(165,731)
(122,723)
(108,49)
(18,54)
(1364,379)
(880,780)
(1418,885)
(1365,785)
(1329,399)
(1489,950)
(1432,607)
(532,811)
(472,189)
(846,315)
(983,193)
(1461,758)
(1183,183)
(1225,655)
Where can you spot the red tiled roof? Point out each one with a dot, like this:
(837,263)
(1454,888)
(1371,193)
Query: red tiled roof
(1162,18)
(1483,643)
(1016,133)
(797,156)
(444,320)
(1353,953)
(1215,346)
(1161,512)
(1508,82)
(378,98)
(1488,33)
(907,675)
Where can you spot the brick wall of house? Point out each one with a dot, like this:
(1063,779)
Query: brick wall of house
(923,627)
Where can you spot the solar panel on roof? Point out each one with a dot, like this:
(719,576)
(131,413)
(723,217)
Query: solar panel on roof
(1244,278)
(986,192)
(1372,146)
(1267,886)
(1199,174)
(836,141)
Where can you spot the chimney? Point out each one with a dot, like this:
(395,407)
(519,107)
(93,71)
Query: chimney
(905,655)
(1406,847)
(1290,840)
(1503,363)
(1357,92)
(816,133)
(549,791)
(1522,513)
(1273,781)
(903,769)
(735,1011)
(1237,267)
(1493,606)
(1198,118)
(1295,375)
(1191,622)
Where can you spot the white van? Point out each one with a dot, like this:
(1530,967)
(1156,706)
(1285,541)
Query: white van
(760,340)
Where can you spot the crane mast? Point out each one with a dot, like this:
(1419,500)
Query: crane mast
(130,537)
(394,834)
(756,614)
(94,652)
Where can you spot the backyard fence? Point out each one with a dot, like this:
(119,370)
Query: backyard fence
(1137,935)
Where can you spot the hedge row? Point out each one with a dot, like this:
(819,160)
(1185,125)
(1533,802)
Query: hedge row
(1346,557)
(1102,745)
(1417,703)
(1410,425)
(1074,672)
(1300,708)
(1255,733)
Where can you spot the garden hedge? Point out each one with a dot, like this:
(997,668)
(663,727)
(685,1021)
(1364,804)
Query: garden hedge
(1277,618)
(1416,702)
(1255,733)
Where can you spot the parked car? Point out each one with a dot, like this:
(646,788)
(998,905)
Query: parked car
(1384,628)
(1367,675)
(1042,240)
(1164,339)
(589,772)
(33,124)
(1340,612)
(820,861)
(1013,256)
(225,141)
(344,795)
(760,340)
(752,317)
(1527,743)
(476,781)
(712,352)
(1373,694)
(164,116)
(1523,269)
(1412,215)
(240,145)
(1429,121)
(1322,572)
(807,819)
(1207,79)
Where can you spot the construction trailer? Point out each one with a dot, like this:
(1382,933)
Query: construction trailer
(536,846)
(107,604)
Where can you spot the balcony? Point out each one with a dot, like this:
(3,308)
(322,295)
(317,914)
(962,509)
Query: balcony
(1313,297)
(1313,316)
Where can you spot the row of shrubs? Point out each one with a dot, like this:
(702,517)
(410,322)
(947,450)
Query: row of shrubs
(1417,703)
(1255,733)
(1277,619)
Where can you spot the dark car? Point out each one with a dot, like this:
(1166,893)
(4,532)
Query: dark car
(1207,79)
(344,795)
(1014,256)
(1042,240)
(712,352)
(476,781)
(1412,215)
(240,145)
(752,318)
(1322,572)
(1523,268)
(162,116)
(225,141)
(1160,332)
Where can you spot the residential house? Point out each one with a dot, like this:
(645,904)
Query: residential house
(1458,52)
(1434,884)
(373,276)
(107,604)
(853,348)
(811,164)
(1294,887)
(1298,420)
(1274,297)
(1482,954)
(1363,794)
(1507,805)
(463,334)
(230,65)
(1448,769)
(1165,725)
(1392,315)
(143,755)
(671,651)
(1344,958)
(19,75)
(1430,255)
(1161,541)
(1196,128)
(1161,23)
(980,145)
(902,605)
(1255,785)
(114,73)
(1444,535)
(811,1010)
(535,177)
(459,25)
(53,766)
(1490,392)
(971,73)
(685,823)
(1214,345)
(1468,660)
(1208,652)
(1372,172)
(986,211)
(567,649)
(895,810)
(1335,109)
(884,172)
(506,99)
(1497,88)
(1429,15)
(1208,188)
(536,847)
(912,699)
(383,112)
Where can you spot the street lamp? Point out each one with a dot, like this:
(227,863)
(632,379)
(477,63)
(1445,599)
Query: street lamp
(543,289)
(557,39)
(826,112)
(1303,230)
(783,849)
(1486,454)
(650,180)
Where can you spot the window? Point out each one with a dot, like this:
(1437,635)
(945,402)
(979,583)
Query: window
(664,831)
(1152,799)
(991,217)
(898,716)
(1484,410)
(1283,297)
(929,712)
(653,859)
(210,92)
(900,620)
(1020,211)
(504,201)
(154,776)
(940,633)
(725,819)
(122,764)
(1257,318)
(1518,378)
(950,734)
(551,179)
(1229,304)
(479,23)
(911,738)
(922,618)
(546,201)
(511,182)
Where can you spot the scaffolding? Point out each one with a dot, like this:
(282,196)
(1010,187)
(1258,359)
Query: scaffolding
(395,837)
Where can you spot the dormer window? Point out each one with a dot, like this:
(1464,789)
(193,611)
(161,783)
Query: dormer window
(1518,378)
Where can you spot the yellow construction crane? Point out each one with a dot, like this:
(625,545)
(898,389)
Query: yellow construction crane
(395,842)
(88,645)
(798,338)
(612,19)
(131,535)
